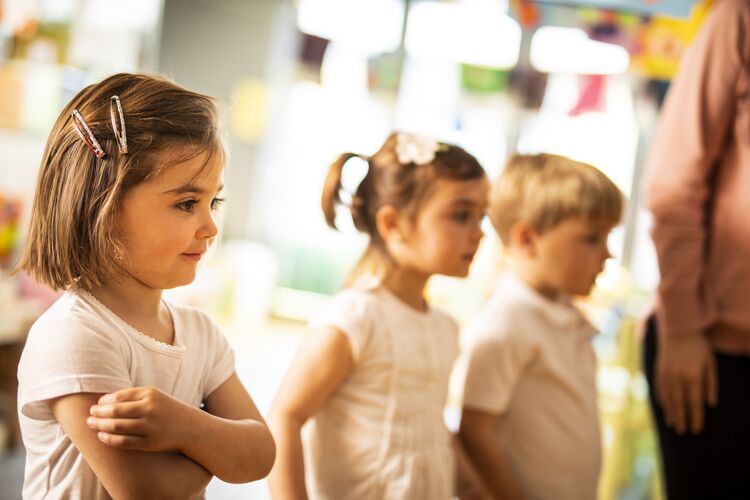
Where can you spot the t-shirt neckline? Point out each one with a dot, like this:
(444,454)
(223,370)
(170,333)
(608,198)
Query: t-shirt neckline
(174,349)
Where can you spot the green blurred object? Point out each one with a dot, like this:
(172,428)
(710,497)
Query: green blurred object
(313,269)
(482,79)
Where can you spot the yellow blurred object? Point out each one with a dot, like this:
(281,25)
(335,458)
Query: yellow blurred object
(664,40)
(629,437)
(11,94)
(249,105)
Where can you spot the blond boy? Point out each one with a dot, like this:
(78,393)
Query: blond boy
(529,420)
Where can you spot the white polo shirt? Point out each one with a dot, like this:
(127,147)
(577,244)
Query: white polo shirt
(529,360)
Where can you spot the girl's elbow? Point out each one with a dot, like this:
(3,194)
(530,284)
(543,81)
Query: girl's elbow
(258,463)
(268,456)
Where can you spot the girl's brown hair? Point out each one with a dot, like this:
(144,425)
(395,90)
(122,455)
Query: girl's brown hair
(71,237)
(390,182)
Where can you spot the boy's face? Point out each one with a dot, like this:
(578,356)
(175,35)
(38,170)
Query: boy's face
(167,223)
(568,257)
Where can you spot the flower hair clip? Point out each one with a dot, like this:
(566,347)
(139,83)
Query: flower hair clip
(417,149)
(87,138)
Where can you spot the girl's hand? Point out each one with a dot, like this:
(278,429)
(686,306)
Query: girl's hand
(140,418)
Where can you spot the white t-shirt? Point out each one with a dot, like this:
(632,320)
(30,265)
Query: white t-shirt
(381,434)
(79,345)
(529,360)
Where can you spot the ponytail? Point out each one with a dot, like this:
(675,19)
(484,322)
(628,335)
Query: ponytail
(331,187)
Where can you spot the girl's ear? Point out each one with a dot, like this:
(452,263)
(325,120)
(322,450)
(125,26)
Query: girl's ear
(524,238)
(388,224)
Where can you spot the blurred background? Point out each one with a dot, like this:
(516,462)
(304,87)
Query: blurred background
(300,81)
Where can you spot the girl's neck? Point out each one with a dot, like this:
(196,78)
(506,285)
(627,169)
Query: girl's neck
(138,305)
(407,286)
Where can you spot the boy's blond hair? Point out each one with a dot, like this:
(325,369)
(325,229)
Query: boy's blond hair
(543,190)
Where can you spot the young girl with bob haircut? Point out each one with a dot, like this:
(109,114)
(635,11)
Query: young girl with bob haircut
(371,377)
(121,393)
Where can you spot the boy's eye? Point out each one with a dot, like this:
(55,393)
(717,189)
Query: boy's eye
(594,239)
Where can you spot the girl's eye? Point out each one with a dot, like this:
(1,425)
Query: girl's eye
(216,203)
(462,216)
(186,206)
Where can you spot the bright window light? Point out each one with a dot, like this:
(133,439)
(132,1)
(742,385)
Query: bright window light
(571,51)
(368,26)
(477,32)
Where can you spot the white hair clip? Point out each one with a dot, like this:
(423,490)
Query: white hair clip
(120,135)
(417,149)
(87,138)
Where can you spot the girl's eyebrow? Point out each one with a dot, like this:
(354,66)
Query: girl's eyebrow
(464,201)
(190,188)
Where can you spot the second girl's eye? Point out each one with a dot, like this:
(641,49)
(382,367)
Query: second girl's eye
(462,216)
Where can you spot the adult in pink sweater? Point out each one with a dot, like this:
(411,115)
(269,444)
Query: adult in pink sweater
(697,351)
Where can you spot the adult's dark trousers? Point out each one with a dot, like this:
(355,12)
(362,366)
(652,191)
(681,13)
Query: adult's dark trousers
(715,464)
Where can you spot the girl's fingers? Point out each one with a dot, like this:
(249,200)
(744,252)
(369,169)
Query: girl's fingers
(124,442)
(121,426)
(130,409)
(131,394)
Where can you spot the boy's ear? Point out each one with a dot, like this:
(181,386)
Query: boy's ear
(524,238)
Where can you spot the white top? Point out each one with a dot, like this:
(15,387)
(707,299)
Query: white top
(530,360)
(382,434)
(78,345)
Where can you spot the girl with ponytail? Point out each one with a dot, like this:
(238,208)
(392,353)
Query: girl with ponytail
(369,383)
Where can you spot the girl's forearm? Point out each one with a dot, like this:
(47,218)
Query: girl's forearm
(235,451)
(287,479)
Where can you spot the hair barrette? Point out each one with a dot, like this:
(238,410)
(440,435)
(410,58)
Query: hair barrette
(120,135)
(417,149)
(87,138)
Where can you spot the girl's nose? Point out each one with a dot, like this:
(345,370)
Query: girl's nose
(209,228)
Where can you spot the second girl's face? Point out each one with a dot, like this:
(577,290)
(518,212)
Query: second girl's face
(168,222)
(447,230)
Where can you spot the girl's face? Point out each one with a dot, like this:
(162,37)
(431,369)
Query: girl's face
(446,233)
(167,223)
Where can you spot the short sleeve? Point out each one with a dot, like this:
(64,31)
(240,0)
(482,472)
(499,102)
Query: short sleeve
(494,362)
(351,312)
(221,362)
(68,357)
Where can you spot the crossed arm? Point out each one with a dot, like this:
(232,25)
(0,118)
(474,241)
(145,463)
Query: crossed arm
(477,435)
(143,443)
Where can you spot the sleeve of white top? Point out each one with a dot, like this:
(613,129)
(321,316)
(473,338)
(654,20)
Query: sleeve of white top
(349,311)
(494,360)
(221,362)
(69,357)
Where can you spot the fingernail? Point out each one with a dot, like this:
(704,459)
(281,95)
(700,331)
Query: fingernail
(91,421)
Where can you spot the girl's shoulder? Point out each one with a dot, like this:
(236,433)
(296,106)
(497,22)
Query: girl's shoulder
(354,297)
(73,315)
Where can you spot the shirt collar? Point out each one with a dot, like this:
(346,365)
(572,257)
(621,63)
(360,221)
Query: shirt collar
(560,312)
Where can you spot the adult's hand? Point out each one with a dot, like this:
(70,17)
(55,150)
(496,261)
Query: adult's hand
(686,380)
